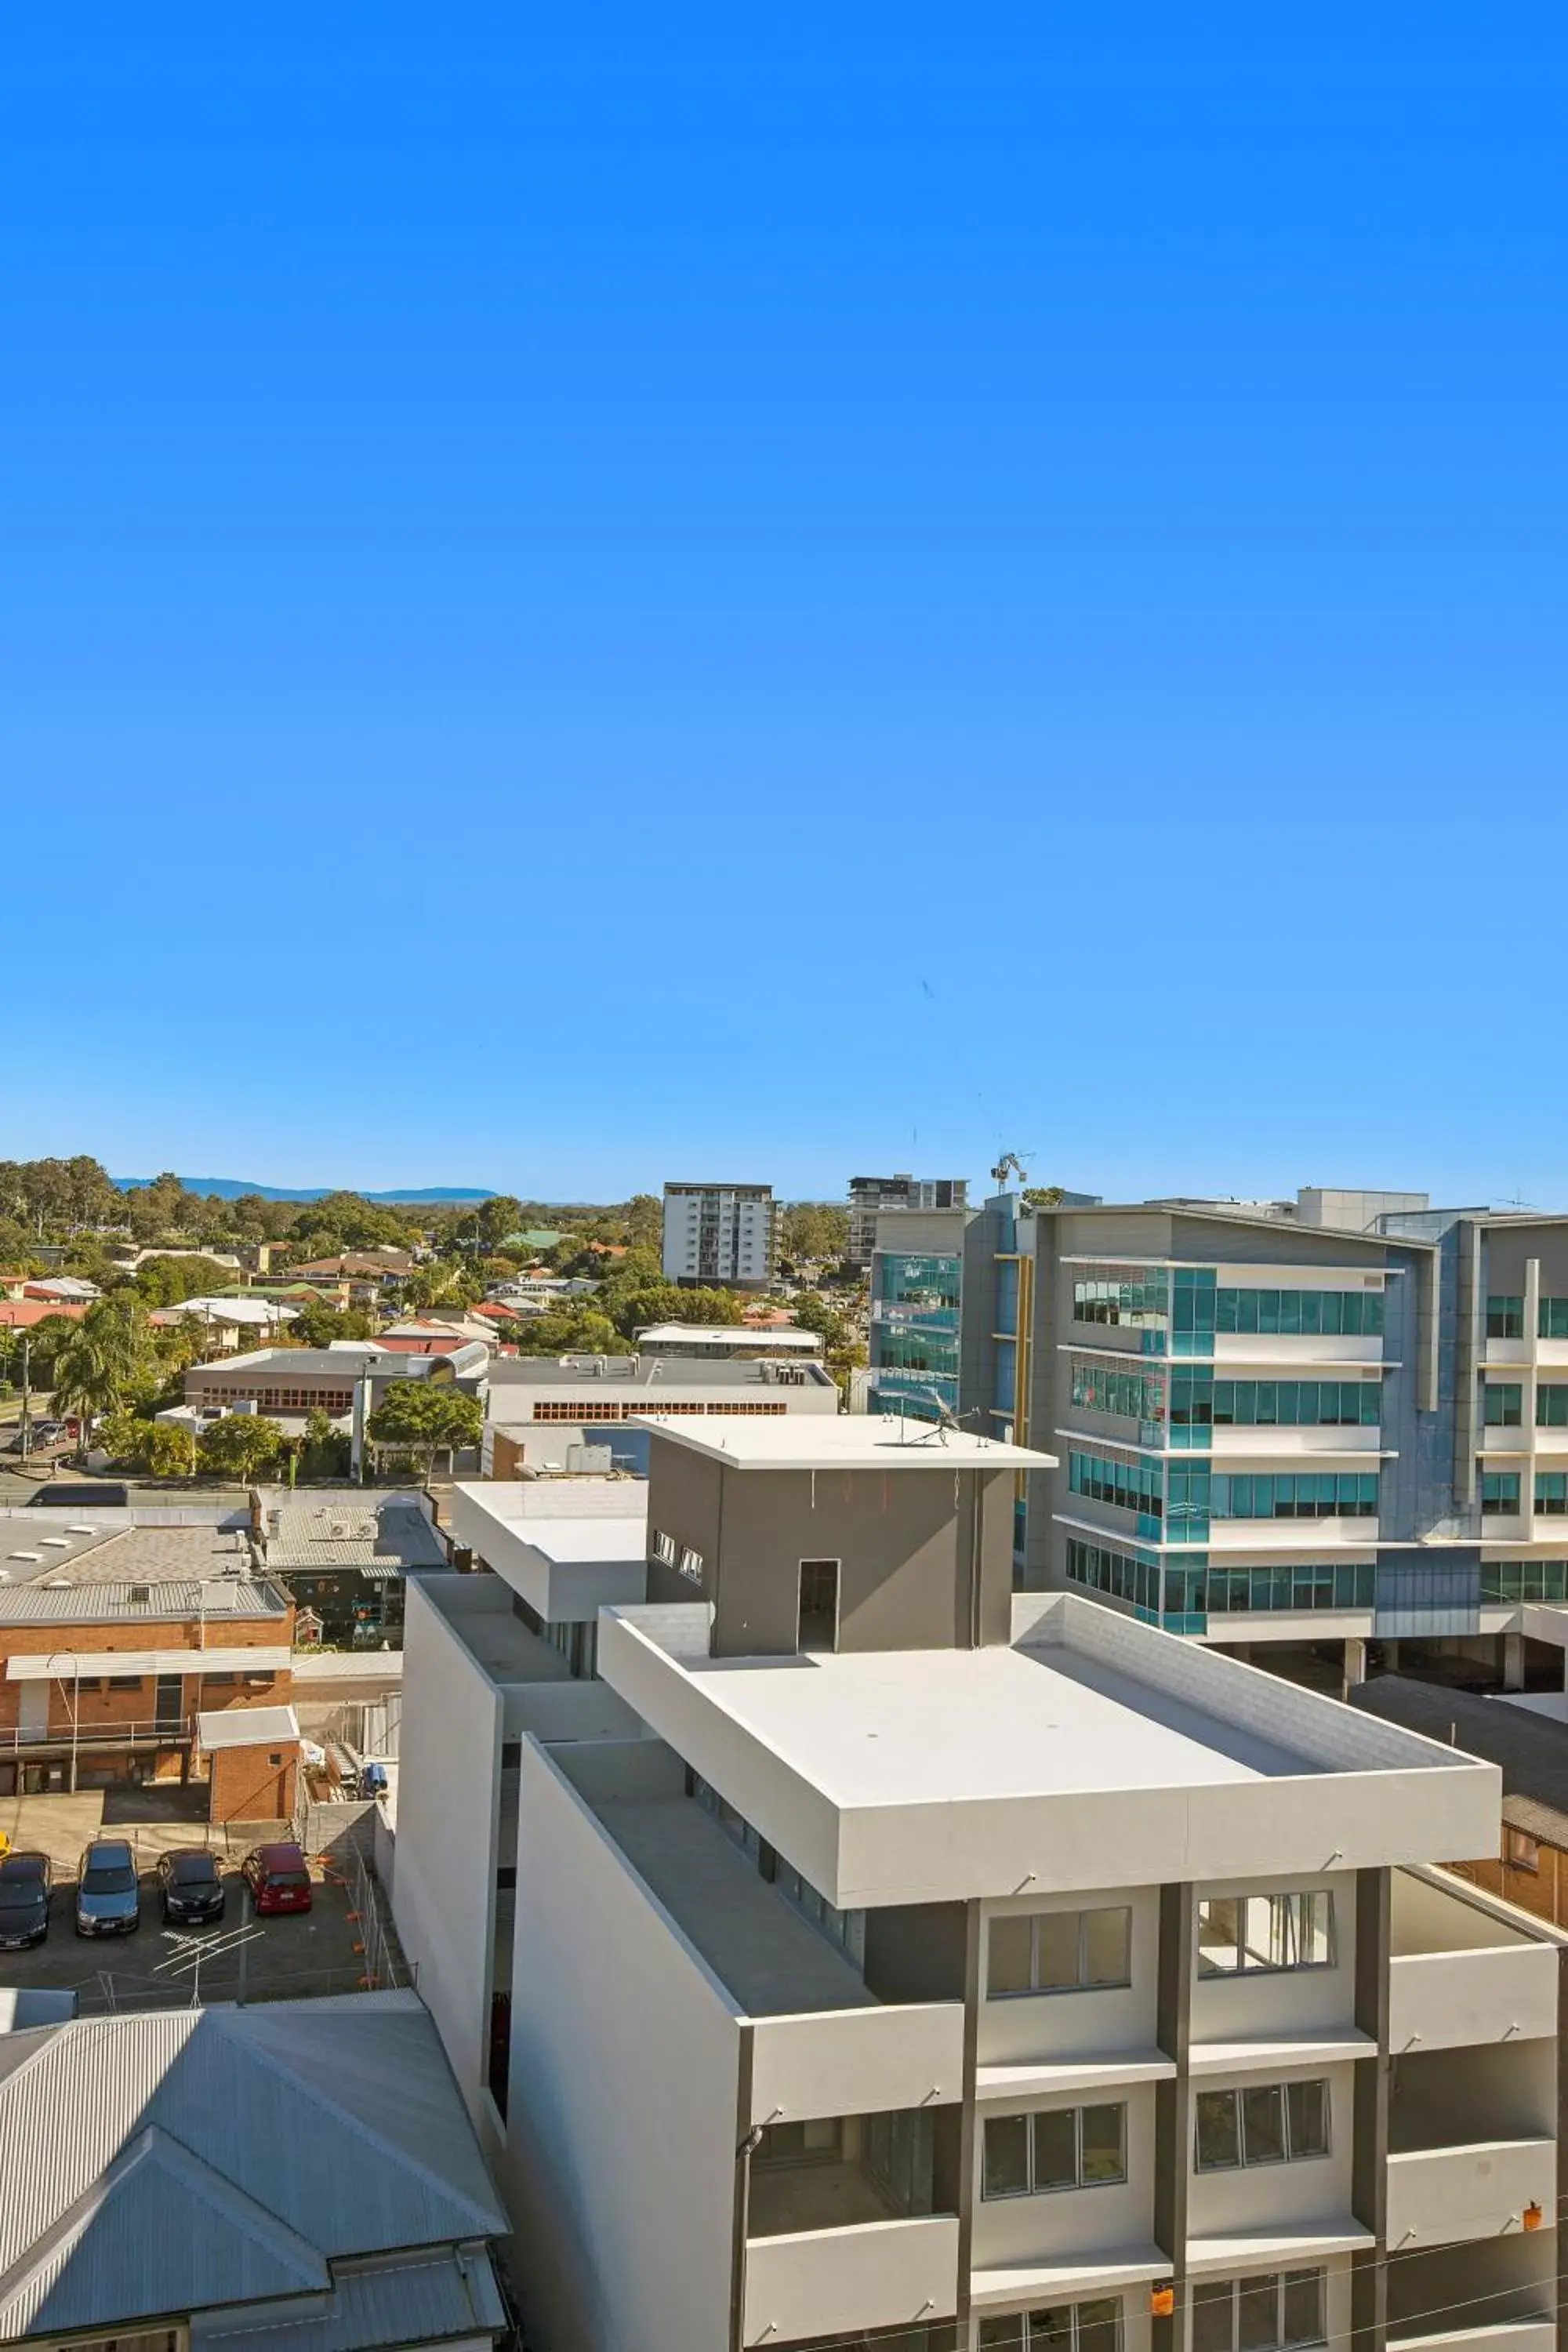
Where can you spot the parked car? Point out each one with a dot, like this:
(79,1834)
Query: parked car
(108,1898)
(25,1882)
(278,1878)
(190,1885)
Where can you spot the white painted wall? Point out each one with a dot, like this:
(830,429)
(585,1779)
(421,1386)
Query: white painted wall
(448,1804)
(1068,2222)
(618,2166)
(1268,2196)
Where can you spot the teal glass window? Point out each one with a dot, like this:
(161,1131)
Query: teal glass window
(1552,1406)
(1290,1404)
(1293,1588)
(1505,1317)
(1135,1578)
(1524,1579)
(1551,1493)
(905,1347)
(1192,1406)
(1499,1492)
(1504,1404)
(1354,1314)
(1320,1495)
(1136,1296)
(1128,1485)
(1192,1311)
(924,1287)
(1135,1395)
(1187,1509)
(1552,1320)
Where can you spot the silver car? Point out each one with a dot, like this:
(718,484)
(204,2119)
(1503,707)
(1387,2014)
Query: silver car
(108,1898)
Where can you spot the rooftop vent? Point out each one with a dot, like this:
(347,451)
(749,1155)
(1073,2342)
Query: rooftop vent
(55,1543)
(34,1556)
(81,1531)
(56,1583)
(141,1593)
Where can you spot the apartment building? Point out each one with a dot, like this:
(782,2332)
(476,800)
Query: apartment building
(589,1413)
(870,1196)
(1291,1428)
(725,1234)
(941,1967)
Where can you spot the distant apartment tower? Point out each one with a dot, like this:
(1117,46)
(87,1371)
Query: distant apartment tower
(870,1195)
(722,1234)
(917,1293)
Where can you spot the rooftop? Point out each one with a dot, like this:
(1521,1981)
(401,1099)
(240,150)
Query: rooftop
(351,1529)
(731,1335)
(848,1441)
(921,1774)
(245,1726)
(106,1547)
(1530,1750)
(285,2136)
(48,1603)
(651,1372)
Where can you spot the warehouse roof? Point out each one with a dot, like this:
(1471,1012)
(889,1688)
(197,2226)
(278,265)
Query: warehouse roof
(352,1530)
(1530,1750)
(93,1604)
(100,1547)
(285,2136)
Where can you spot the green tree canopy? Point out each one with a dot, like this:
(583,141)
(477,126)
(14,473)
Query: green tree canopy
(107,1352)
(428,1417)
(165,1281)
(814,1229)
(317,1325)
(643,1221)
(241,1446)
(569,1330)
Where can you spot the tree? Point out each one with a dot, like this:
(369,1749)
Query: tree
(1041,1196)
(317,1325)
(171,1449)
(241,1446)
(643,1221)
(106,1352)
(166,1281)
(444,1284)
(426,1417)
(818,1230)
(496,1218)
(126,1437)
(568,1331)
(325,1452)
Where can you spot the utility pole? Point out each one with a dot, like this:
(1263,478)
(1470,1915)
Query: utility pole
(27,1395)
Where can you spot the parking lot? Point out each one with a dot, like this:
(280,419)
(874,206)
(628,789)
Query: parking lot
(240,1957)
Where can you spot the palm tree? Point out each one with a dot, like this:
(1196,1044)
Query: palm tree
(103,1355)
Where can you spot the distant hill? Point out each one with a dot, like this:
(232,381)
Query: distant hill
(229,1188)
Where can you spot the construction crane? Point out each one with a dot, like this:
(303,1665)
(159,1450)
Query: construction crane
(1010,1165)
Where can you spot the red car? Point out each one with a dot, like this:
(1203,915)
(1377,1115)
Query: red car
(277,1877)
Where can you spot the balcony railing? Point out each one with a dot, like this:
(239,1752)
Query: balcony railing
(32,1741)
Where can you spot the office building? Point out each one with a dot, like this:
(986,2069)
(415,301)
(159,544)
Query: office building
(941,1968)
(916,1295)
(721,1236)
(870,1195)
(1291,1428)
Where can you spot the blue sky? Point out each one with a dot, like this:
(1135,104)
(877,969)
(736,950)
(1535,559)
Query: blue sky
(597,594)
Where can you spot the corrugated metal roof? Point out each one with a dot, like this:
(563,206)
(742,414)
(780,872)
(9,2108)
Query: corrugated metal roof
(334,2125)
(413,2298)
(86,1604)
(326,1535)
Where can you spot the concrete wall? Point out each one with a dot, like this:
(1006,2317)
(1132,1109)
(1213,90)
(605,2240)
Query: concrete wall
(1023,2027)
(447,1831)
(904,1541)
(618,2164)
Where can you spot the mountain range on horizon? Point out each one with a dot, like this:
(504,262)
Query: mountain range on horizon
(230,1188)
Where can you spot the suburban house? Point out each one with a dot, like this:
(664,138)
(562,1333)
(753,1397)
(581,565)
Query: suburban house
(297,2177)
(228,1325)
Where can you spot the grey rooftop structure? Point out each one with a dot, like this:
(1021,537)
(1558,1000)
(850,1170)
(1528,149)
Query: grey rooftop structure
(303,2173)
(351,1530)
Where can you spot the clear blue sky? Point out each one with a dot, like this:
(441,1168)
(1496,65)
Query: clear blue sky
(590,594)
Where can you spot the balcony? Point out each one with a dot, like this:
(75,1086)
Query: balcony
(888,2272)
(820,2062)
(1442,2195)
(1463,1971)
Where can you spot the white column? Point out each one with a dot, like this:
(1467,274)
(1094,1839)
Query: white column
(1513,1662)
(1355,1663)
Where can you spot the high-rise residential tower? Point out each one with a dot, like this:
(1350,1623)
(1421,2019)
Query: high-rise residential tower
(870,1195)
(723,1235)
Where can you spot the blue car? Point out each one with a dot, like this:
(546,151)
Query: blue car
(108,1897)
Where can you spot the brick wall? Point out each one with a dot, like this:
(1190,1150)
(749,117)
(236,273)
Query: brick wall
(102,1708)
(253,1784)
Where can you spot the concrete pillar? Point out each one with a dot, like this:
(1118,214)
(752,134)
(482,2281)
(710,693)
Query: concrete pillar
(1355,1663)
(1513,1662)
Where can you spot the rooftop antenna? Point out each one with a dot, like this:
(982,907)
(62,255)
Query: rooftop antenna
(946,1421)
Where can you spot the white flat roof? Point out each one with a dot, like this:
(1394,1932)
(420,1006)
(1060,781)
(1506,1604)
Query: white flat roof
(913,1727)
(845,1442)
(245,1726)
(591,1538)
(727,1335)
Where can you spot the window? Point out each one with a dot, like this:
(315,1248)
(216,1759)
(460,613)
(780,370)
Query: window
(1135,1395)
(1318,1494)
(1552,1407)
(663,1547)
(1265,2123)
(1552,1322)
(690,1564)
(1065,2147)
(1505,1317)
(1059,1951)
(1524,1579)
(1504,1404)
(1248,1935)
(125,1682)
(1298,1404)
(1063,2328)
(1133,1577)
(1500,1493)
(1136,1296)
(1523,1852)
(1295,1588)
(1354,1313)
(1127,1485)
(1268,2313)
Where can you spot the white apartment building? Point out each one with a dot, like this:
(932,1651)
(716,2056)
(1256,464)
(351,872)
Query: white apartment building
(721,1233)
(929,1968)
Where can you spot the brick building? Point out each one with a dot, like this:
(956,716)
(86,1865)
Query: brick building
(103,1674)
